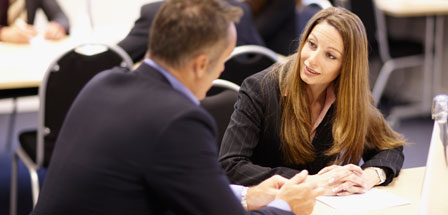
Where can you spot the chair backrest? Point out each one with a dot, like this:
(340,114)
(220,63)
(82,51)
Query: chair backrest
(247,60)
(64,79)
(221,105)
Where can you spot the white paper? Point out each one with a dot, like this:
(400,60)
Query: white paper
(374,199)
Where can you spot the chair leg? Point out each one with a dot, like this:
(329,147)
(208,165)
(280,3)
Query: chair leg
(11,125)
(13,192)
(34,185)
(381,81)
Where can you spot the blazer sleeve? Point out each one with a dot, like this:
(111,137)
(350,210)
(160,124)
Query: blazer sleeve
(136,42)
(54,13)
(390,160)
(185,173)
(243,135)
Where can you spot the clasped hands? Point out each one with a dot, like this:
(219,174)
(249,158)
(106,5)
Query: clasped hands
(20,32)
(301,190)
(345,180)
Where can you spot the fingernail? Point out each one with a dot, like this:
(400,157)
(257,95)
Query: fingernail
(331,180)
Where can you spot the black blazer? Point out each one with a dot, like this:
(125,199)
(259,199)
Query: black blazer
(51,9)
(251,147)
(136,42)
(131,144)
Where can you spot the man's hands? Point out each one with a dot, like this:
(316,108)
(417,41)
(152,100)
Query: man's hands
(265,192)
(299,194)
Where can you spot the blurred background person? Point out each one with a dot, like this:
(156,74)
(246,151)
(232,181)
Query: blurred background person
(135,43)
(280,22)
(17,18)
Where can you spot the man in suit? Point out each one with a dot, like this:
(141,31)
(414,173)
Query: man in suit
(280,23)
(17,17)
(139,143)
(135,43)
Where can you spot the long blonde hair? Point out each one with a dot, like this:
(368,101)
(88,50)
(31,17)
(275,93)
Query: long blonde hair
(356,122)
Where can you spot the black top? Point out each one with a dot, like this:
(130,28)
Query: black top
(251,147)
(131,144)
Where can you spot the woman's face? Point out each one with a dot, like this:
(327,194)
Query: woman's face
(321,56)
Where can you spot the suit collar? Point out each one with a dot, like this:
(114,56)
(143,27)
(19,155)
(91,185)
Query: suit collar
(172,81)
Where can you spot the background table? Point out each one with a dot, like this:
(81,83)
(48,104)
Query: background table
(434,11)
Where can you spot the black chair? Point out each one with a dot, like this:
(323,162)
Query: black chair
(221,105)
(247,60)
(63,80)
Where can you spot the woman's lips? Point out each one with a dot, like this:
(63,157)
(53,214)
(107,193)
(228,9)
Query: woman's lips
(310,71)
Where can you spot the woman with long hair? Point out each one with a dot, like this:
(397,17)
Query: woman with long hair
(314,112)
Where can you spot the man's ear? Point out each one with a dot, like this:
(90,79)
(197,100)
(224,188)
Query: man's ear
(200,64)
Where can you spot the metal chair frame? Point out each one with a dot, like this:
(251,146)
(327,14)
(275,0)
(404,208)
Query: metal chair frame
(33,167)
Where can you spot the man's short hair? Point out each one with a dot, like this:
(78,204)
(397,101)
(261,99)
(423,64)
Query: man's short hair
(184,28)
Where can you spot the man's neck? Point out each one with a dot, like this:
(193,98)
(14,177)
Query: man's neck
(179,74)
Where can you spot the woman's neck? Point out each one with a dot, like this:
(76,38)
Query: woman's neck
(316,95)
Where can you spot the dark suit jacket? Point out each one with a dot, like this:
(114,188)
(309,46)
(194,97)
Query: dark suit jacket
(280,24)
(131,144)
(251,147)
(136,42)
(51,9)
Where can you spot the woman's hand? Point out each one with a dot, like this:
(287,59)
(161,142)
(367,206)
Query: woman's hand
(20,32)
(366,181)
(345,180)
(54,31)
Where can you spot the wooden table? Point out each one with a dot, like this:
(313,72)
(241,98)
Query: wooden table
(24,65)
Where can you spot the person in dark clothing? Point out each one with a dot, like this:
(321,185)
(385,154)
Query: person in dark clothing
(139,143)
(135,43)
(314,112)
(17,18)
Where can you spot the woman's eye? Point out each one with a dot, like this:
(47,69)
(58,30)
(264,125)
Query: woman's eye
(312,44)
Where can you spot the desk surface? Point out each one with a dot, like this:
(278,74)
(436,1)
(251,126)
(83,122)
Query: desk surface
(24,65)
(407,8)
(407,185)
